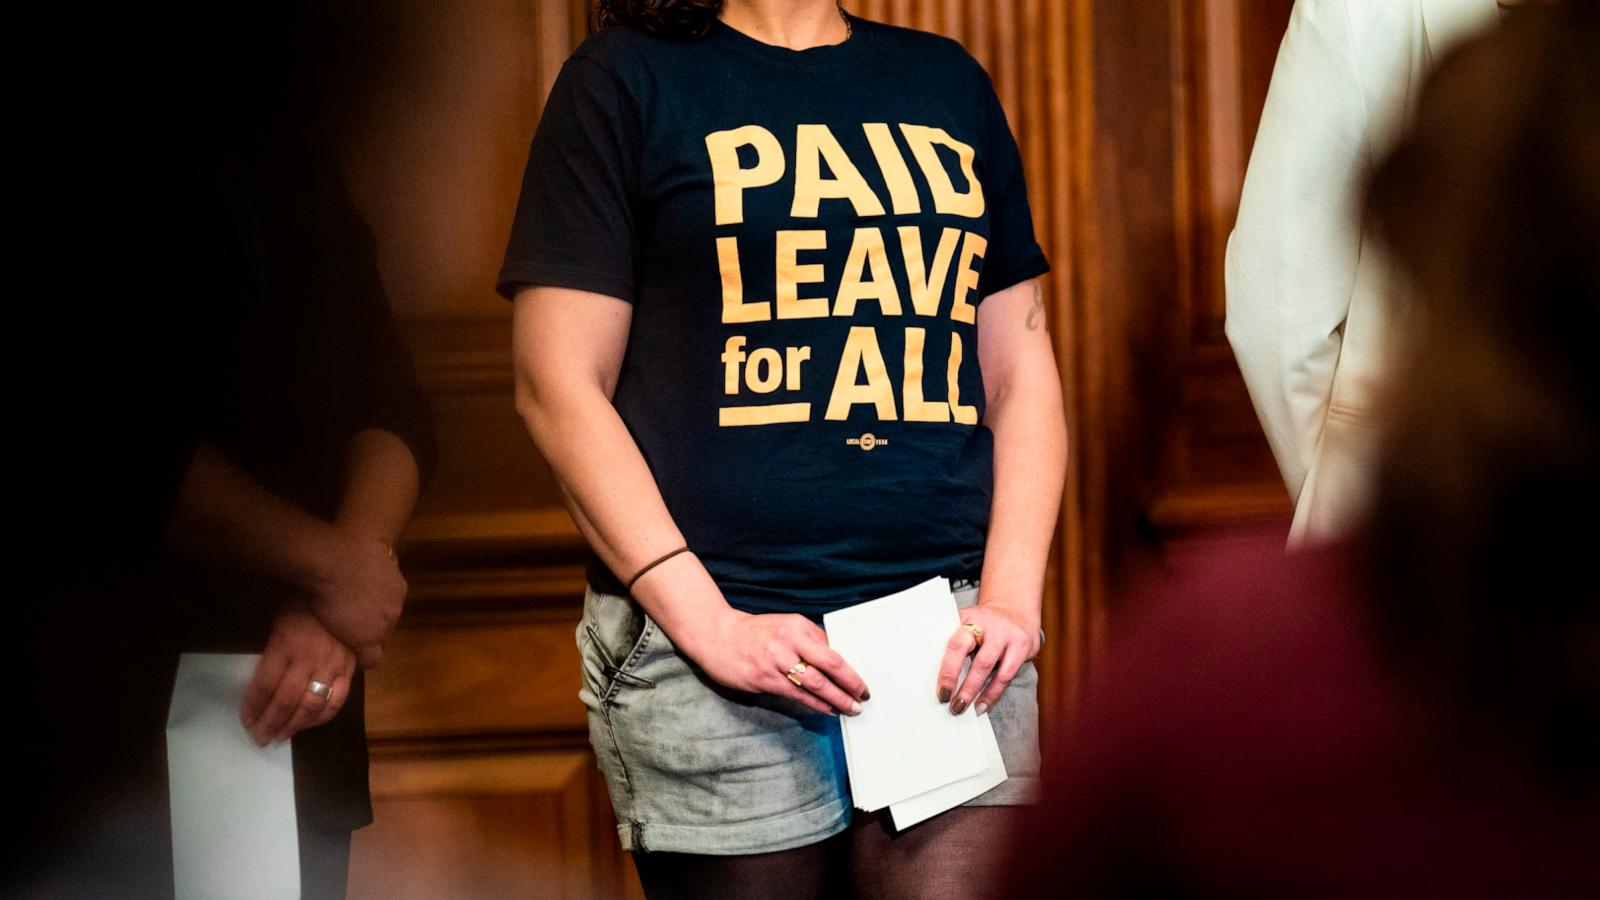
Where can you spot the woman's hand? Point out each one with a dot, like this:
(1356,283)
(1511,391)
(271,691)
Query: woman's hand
(1010,638)
(279,702)
(361,592)
(754,653)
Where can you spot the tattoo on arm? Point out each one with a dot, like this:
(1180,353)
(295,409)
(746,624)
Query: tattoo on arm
(1036,314)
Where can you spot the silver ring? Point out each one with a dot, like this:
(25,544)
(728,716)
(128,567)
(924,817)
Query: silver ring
(325,691)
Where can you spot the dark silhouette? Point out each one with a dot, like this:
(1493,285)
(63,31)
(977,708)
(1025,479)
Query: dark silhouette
(235,335)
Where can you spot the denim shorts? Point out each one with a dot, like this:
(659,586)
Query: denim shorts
(695,767)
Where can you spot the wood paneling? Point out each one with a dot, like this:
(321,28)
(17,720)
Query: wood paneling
(483,782)
(490,677)
(1134,119)
(1215,465)
(488,825)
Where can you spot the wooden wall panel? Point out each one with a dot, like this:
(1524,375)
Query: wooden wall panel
(488,825)
(490,677)
(1215,466)
(483,781)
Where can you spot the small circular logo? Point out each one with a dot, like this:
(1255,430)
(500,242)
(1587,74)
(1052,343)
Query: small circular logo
(867,441)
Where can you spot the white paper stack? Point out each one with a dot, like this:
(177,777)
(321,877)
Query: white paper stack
(233,816)
(905,751)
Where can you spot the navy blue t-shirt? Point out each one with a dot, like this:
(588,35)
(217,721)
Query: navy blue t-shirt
(805,236)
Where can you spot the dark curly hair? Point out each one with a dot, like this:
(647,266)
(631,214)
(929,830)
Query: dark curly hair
(687,19)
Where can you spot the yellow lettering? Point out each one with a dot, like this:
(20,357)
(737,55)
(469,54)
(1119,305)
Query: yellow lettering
(861,353)
(946,199)
(867,248)
(926,288)
(902,191)
(918,409)
(732,357)
(792,274)
(796,356)
(966,415)
(813,144)
(765,371)
(734,309)
(730,179)
(967,279)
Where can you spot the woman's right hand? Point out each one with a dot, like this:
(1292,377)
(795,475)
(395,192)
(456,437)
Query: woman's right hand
(755,653)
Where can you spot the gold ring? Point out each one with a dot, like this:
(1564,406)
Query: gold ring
(975,631)
(795,671)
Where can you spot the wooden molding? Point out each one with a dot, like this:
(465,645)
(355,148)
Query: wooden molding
(524,824)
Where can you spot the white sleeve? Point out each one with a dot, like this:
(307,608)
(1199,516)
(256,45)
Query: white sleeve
(1292,257)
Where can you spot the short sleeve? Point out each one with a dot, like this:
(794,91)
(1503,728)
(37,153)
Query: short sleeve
(1014,254)
(574,225)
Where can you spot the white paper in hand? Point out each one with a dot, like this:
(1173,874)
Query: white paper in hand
(233,817)
(905,742)
(907,813)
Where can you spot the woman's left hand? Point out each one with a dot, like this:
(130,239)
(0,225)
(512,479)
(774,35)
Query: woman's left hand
(1010,638)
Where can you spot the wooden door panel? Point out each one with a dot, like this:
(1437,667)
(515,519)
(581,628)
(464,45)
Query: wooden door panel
(473,680)
(489,825)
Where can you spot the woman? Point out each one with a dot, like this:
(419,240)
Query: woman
(779,334)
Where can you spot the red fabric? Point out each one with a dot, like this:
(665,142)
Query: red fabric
(1244,740)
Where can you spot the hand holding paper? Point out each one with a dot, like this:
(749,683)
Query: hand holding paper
(906,745)
(278,704)
(1010,637)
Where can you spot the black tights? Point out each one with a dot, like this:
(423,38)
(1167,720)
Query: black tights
(959,854)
